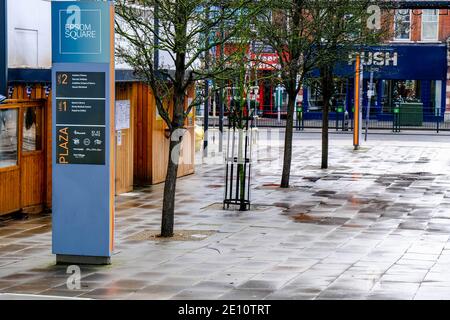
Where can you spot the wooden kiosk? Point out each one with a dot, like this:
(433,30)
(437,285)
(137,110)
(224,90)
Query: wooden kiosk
(148,135)
(25,149)
(25,155)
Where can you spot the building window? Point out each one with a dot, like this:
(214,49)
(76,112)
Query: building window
(400,91)
(430,25)
(8,137)
(315,98)
(32,129)
(402,24)
(436,97)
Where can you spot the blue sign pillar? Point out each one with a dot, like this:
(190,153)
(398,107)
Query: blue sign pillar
(83,131)
(3,48)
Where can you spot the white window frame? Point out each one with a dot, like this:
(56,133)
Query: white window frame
(410,26)
(437,26)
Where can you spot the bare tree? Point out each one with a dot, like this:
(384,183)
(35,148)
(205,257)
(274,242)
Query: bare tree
(310,35)
(183,32)
(289,26)
(345,27)
(242,77)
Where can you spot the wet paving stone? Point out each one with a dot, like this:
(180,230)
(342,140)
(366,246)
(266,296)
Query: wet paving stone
(104,293)
(128,284)
(376,229)
(245,294)
(196,294)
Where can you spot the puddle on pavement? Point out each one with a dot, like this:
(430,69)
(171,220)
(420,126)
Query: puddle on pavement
(306,218)
(215,186)
(271,185)
(303,217)
(276,187)
(324,193)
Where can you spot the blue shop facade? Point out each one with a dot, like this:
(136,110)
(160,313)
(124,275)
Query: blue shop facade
(402,73)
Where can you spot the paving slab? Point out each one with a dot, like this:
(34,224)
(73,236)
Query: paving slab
(375,225)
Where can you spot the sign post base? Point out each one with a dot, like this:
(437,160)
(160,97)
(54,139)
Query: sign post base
(67,259)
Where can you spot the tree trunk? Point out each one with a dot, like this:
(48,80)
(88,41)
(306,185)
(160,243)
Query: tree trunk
(288,142)
(325,142)
(168,213)
(327,84)
(176,136)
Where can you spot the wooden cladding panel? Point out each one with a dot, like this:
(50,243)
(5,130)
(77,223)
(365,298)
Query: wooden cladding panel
(142,136)
(151,146)
(32,177)
(187,158)
(124,152)
(139,175)
(48,152)
(9,191)
(160,149)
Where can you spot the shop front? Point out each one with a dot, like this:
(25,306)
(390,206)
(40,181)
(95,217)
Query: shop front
(406,77)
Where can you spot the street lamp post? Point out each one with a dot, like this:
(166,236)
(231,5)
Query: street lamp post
(279,101)
(357,115)
(156,38)
(206,104)
(370,94)
(3,49)
(221,93)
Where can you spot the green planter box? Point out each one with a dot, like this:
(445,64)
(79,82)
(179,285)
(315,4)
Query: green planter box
(411,114)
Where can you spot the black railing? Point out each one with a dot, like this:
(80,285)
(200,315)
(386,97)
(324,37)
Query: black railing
(339,121)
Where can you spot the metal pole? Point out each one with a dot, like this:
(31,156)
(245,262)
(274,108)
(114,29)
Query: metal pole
(370,94)
(206,106)
(337,118)
(206,119)
(156,39)
(278,98)
(302,114)
(3,48)
(221,98)
(357,114)
(438,114)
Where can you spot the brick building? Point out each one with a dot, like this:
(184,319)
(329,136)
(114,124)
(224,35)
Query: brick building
(425,27)
(411,66)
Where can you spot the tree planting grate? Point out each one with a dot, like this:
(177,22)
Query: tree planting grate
(179,235)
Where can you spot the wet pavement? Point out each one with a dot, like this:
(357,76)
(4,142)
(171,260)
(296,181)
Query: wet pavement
(376,225)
